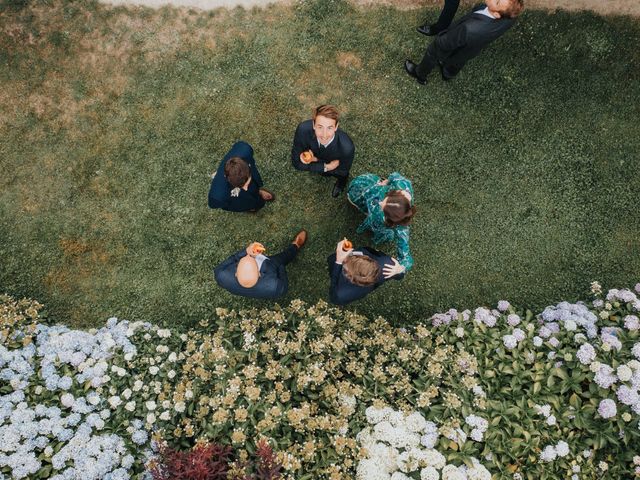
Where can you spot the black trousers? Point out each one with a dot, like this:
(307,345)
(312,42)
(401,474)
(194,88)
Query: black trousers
(286,256)
(431,59)
(446,15)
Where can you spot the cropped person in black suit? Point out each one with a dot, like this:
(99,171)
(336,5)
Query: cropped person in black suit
(444,20)
(237,186)
(465,39)
(320,146)
(356,273)
(249,273)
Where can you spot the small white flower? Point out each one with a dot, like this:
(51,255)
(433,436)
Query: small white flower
(151,405)
(151,418)
(179,407)
(459,332)
(130,406)
(115,401)
(127,393)
(153,370)
(171,374)
(165,416)
(562,449)
(551,420)
(624,373)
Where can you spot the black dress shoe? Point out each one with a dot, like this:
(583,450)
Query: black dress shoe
(410,68)
(427,30)
(337,189)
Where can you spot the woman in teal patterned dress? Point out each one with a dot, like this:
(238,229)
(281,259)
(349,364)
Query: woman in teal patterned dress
(388,206)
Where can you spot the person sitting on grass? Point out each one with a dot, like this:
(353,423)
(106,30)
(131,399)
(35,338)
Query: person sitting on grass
(355,273)
(250,273)
(388,207)
(237,186)
(320,146)
(465,39)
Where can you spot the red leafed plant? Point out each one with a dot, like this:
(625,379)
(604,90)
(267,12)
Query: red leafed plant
(208,461)
(267,465)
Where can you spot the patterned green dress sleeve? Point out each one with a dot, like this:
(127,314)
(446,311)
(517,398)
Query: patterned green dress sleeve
(398,182)
(402,245)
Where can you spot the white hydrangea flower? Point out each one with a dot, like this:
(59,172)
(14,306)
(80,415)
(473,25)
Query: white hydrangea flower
(562,449)
(624,373)
(415,422)
(548,454)
(429,473)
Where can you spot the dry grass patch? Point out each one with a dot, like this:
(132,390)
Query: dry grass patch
(349,60)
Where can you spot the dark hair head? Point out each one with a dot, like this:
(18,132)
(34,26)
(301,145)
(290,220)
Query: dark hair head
(398,209)
(328,111)
(237,171)
(361,270)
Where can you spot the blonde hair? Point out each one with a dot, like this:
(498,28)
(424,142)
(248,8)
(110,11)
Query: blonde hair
(361,270)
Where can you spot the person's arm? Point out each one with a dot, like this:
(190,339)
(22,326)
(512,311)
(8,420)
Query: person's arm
(452,40)
(225,272)
(347,154)
(300,145)
(246,201)
(219,191)
(398,182)
(402,243)
(255,174)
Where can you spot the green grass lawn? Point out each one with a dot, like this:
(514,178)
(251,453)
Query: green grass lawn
(525,168)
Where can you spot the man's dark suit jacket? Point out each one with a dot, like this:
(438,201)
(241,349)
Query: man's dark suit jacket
(342,291)
(273,282)
(466,37)
(220,191)
(341,148)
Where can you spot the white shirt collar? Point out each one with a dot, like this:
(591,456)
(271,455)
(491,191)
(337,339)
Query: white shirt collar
(327,144)
(260,260)
(485,11)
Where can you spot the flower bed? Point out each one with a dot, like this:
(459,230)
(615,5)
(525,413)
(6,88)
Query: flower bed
(500,393)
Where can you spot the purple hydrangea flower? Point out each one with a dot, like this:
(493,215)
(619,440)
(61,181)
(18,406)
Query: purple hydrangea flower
(503,305)
(586,354)
(513,320)
(631,322)
(510,342)
(607,408)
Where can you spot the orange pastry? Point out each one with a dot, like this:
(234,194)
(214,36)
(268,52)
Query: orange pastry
(347,245)
(258,248)
(307,156)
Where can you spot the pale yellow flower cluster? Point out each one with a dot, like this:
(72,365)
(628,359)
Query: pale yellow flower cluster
(300,376)
(18,320)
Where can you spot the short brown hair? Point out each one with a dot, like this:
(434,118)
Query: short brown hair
(237,171)
(514,9)
(361,270)
(398,209)
(328,111)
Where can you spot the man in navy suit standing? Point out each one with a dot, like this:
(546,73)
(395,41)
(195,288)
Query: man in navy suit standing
(320,146)
(356,273)
(249,273)
(465,39)
(237,186)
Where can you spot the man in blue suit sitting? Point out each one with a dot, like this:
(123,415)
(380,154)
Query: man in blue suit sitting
(237,186)
(356,273)
(249,273)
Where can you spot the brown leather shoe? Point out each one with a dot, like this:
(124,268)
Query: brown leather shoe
(300,239)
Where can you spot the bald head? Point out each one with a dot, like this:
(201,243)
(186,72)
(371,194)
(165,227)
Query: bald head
(247,272)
